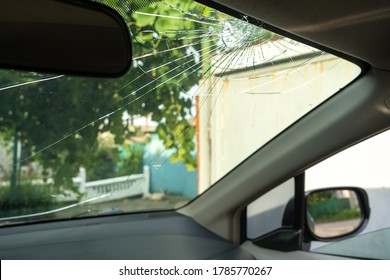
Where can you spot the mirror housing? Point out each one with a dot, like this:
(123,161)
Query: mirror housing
(335,213)
(73,37)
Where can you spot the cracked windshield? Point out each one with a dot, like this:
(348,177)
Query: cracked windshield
(204,92)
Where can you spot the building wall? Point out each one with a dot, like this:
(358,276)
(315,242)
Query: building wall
(269,99)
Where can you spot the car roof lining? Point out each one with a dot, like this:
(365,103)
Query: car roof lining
(358,30)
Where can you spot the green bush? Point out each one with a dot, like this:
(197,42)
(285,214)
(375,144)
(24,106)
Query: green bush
(345,214)
(115,162)
(26,197)
(131,159)
(104,166)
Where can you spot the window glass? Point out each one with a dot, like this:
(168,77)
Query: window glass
(205,91)
(268,212)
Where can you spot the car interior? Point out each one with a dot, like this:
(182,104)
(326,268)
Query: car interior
(214,225)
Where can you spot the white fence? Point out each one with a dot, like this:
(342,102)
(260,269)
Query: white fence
(113,188)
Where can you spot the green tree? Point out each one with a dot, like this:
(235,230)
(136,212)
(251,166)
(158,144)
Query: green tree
(58,118)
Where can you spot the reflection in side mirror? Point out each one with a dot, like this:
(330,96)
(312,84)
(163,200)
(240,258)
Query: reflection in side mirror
(333,213)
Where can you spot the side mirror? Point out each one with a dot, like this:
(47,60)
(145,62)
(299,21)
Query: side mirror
(74,37)
(335,213)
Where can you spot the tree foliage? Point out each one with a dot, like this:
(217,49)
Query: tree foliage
(58,121)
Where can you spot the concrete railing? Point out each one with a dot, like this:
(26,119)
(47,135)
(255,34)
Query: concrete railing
(119,187)
(113,188)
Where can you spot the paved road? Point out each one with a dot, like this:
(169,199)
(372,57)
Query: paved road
(379,200)
(336,228)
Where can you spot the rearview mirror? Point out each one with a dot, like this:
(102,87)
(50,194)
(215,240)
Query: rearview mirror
(336,212)
(74,37)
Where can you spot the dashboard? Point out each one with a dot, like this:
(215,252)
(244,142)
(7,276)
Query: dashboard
(157,235)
